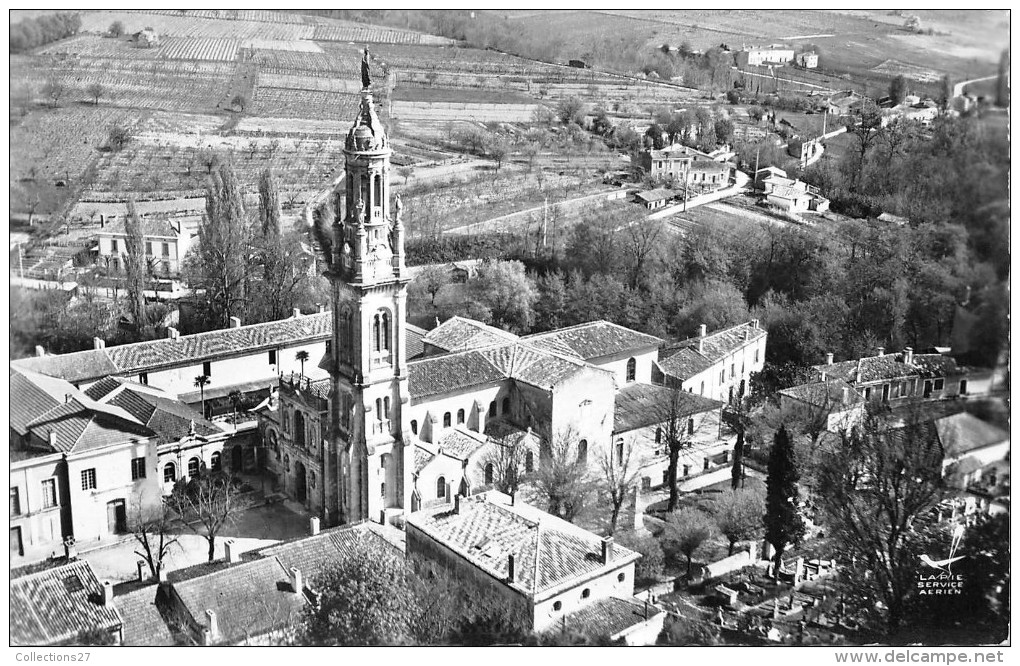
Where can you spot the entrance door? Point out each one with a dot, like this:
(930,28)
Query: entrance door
(927,388)
(300,482)
(17,547)
(236,459)
(116,516)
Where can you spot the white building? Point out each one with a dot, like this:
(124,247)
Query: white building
(715,365)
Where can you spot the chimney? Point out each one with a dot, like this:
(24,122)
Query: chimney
(828,359)
(456,503)
(823,376)
(295,580)
(702,331)
(754,323)
(231,552)
(846,394)
(162,576)
(235,322)
(880,351)
(40,351)
(908,355)
(53,439)
(212,631)
(172,333)
(322,307)
(607,550)
(70,550)
(511,570)
(297,312)
(313,526)
(141,571)
(98,343)
(107,593)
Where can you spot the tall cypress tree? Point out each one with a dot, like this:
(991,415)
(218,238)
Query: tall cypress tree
(783,524)
(737,473)
(135,269)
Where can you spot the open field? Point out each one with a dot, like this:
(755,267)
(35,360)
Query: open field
(189,26)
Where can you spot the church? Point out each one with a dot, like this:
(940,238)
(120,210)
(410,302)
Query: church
(403,419)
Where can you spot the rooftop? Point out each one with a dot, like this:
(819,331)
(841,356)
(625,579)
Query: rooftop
(57,605)
(548,552)
(32,395)
(607,617)
(659,194)
(462,334)
(891,366)
(684,360)
(640,405)
(312,554)
(151,226)
(593,340)
(81,424)
(143,624)
(962,433)
(829,393)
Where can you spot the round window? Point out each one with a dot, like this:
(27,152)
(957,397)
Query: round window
(622,577)
(557,605)
(585,593)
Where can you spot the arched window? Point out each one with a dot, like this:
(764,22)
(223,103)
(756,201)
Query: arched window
(631,370)
(658,435)
(386,406)
(460,416)
(299,428)
(379,409)
(376,336)
(582,452)
(441,487)
(446,420)
(169,473)
(619,452)
(194,465)
(492,409)
(214,461)
(414,426)
(489,471)
(506,405)
(286,462)
(377,190)
(585,593)
(529,462)
(385,331)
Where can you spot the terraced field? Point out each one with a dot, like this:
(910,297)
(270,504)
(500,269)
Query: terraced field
(187,26)
(306,104)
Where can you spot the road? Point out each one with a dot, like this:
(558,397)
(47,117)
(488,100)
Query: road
(958,88)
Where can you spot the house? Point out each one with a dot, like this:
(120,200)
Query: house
(970,447)
(643,410)
(807,60)
(147,37)
(683,163)
(916,111)
(707,364)
(658,198)
(789,198)
(541,568)
(249,359)
(756,56)
(833,400)
(165,242)
(64,605)
(906,375)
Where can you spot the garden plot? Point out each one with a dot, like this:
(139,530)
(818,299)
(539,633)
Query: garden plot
(193,26)
(328,63)
(98,46)
(308,82)
(360,33)
(441,112)
(187,48)
(310,104)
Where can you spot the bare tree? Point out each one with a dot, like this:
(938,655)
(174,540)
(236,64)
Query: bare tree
(405,172)
(507,453)
(53,90)
(619,472)
(689,529)
(433,278)
(640,239)
(560,479)
(152,532)
(95,91)
(738,515)
(678,426)
(206,503)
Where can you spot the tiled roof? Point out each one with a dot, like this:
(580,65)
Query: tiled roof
(891,366)
(462,334)
(152,227)
(145,356)
(830,393)
(606,617)
(103,387)
(312,554)
(547,551)
(170,419)
(32,395)
(57,605)
(707,165)
(451,372)
(656,195)
(414,346)
(962,433)
(683,360)
(787,193)
(250,599)
(422,457)
(83,425)
(528,364)
(640,405)
(594,339)
(143,624)
(460,443)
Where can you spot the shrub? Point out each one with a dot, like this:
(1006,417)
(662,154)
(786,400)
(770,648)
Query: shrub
(652,562)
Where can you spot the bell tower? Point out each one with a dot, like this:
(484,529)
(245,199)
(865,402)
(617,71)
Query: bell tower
(368,358)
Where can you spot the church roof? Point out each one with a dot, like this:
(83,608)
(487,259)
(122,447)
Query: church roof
(462,334)
(594,339)
(548,552)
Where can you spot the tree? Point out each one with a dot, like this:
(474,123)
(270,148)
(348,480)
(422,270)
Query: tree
(53,90)
(116,29)
(220,266)
(783,523)
(650,567)
(641,238)
(238,102)
(236,398)
(136,269)
(676,434)
(570,111)
(619,472)
(201,381)
(737,472)
(687,530)
(301,357)
(877,482)
(1002,81)
(560,479)
(507,453)
(724,130)
(118,137)
(152,532)
(898,89)
(405,172)
(498,150)
(95,91)
(738,515)
(206,503)
(432,279)
(505,289)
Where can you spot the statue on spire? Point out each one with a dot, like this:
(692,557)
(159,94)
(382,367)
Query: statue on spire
(366,78)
